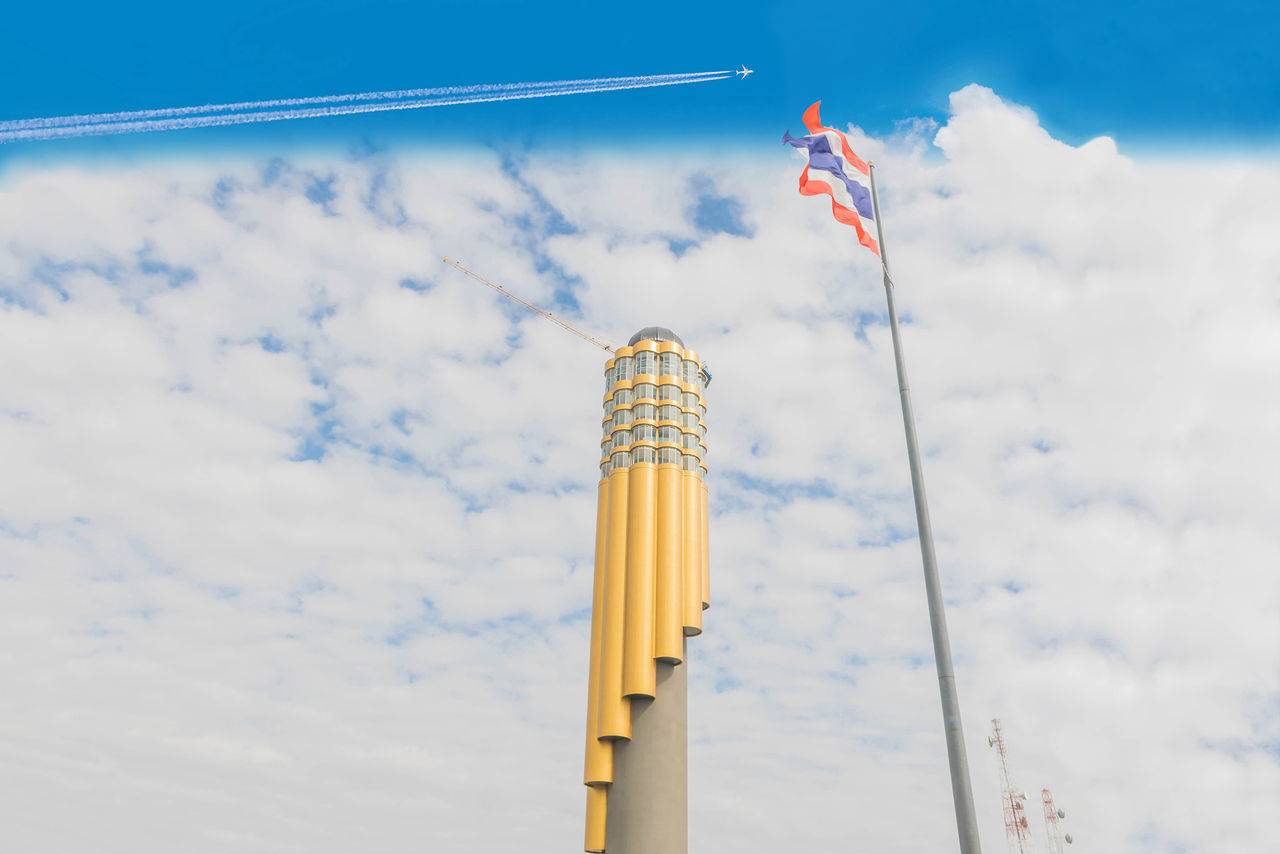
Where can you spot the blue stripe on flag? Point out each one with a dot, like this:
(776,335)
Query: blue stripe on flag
(822,158)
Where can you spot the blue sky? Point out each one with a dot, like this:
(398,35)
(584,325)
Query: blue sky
(1151,74)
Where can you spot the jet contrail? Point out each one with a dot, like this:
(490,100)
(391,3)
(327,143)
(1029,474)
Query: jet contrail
(247,112)
(395,94)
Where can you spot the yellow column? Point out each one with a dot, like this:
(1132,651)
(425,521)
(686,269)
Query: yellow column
(692,554)
(615,709)
(597,806)
(668,641)
(599,757)
(706,548)
(639,673)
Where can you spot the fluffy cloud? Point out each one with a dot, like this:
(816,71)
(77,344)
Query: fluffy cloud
(295,523)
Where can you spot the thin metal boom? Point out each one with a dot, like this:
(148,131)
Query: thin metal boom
(563,324)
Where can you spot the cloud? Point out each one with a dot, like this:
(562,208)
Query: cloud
(296,521)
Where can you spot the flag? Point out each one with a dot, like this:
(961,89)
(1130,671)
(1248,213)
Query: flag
(841,174)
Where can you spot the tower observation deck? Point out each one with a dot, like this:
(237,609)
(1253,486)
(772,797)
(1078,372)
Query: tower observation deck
(651,585)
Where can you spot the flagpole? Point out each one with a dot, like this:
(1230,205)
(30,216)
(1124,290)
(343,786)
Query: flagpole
(961,789)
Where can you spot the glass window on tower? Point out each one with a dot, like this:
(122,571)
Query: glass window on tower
(644,410)
(646,390)
(622,397)
(621,438)
(690,400)
(610,377)
(668,365)
(624,368)
(668,434)
(621,417)
(690,370)
(668,392)
(621,459)
(644,362)
(642,455)
(644,433)
(669,413)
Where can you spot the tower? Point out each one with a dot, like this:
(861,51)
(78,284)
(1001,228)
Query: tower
(1053,816)
(651,586)
(1017,830)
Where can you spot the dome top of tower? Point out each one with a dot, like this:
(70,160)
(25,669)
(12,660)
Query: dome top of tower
(654,333)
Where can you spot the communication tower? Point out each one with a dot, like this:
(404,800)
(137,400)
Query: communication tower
(1017,830)
(1052,826)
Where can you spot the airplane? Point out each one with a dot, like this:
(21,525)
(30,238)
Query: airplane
(744,72)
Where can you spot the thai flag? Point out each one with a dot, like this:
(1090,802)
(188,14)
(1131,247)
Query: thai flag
(842,175)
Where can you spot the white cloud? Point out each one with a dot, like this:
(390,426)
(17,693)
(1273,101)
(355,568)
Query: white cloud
(296,522)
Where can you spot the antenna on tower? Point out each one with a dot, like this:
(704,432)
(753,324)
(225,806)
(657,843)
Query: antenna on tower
(1052,828)
(563,324)
(1017,830)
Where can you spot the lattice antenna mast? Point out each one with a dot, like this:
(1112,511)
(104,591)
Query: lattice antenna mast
(1017,830)
(1058,840)
(563,324)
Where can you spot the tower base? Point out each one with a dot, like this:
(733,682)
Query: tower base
(649,799)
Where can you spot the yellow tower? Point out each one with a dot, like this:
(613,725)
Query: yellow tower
(651,586)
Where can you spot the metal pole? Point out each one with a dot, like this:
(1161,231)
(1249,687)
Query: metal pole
(961,790)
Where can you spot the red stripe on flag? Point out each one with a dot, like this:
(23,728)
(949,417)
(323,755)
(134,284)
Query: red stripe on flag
(814,124)
(815,187)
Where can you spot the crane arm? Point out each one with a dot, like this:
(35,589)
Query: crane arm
(563,324)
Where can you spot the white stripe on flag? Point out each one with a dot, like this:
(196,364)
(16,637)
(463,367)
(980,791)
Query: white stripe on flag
(841,195)
(833,139)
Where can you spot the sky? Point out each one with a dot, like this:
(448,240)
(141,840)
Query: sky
(296,522)
(1157,74)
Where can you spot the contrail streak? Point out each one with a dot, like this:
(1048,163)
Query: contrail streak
(248,112)
(395,94)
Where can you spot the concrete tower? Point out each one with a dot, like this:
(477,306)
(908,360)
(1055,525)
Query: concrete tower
(651,586)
